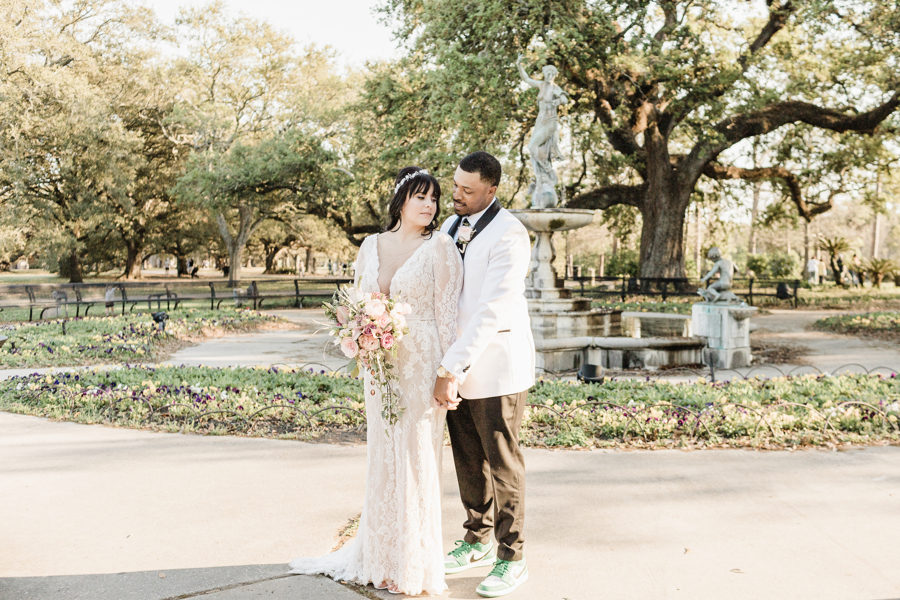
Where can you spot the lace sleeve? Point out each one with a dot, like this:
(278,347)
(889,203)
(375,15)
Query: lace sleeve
(448,279)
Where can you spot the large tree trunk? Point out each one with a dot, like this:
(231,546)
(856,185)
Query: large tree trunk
(132,261)
(663,212)
(236,243)
(662,244)
(72,268)
(271,253)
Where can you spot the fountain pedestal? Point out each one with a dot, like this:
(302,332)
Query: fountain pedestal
(557,316)
(726,328)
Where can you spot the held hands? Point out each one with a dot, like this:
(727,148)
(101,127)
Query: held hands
(445,390)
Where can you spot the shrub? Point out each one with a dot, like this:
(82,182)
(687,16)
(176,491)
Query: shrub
(624,263)
(783,264)
(759,264)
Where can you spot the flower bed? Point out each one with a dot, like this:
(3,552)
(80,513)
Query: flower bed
(123,338)
(762,413)
(885,325)
(680,308)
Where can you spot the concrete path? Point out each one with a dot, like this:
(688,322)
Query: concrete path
(101,513)
(308,344)
(305,345)
(826,351)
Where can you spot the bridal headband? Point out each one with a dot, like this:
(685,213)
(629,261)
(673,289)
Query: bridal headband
(408,177)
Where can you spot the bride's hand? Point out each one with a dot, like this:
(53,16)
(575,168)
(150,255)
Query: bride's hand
(444,392)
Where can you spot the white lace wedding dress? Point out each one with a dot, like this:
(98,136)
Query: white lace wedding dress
(399,537)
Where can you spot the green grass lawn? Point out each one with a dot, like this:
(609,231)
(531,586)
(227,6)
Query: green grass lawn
(132,337)
(648,305)
(885,325)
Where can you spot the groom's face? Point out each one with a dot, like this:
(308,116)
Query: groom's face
(471,195)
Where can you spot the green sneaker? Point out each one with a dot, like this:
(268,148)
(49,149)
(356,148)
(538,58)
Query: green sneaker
(468,556)
(505,578)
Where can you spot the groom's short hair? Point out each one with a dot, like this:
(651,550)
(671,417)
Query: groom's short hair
(484,164)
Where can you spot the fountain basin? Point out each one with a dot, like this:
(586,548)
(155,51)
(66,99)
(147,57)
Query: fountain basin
(566,354)
(627,340)
(549,220)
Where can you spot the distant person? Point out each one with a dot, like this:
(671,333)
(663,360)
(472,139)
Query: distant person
(110,297)
(166,267)
(839,276)
(812,270)
(858,278)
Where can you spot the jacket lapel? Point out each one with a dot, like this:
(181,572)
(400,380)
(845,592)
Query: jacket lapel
(492,211)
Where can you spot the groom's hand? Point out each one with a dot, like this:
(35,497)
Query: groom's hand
(445,392)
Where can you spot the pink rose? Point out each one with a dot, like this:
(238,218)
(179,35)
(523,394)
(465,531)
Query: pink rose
(368,342)
(342,314)
(465,234)
(349,347)
(384,320)
(387,340)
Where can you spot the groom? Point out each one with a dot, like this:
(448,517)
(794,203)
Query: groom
(492,366)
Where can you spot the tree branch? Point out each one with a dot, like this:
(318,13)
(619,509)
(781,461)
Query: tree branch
(807,210)
(611,195)
(772,117)
(778,17)
(743,126)
(671,16)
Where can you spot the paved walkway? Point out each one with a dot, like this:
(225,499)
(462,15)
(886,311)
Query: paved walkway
(827,351)
(115,514)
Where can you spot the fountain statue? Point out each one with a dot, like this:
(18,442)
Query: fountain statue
(723,319)
(720,291)
(543,218)
(544,143)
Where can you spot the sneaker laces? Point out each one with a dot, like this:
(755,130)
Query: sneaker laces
(501,568)
(461,549)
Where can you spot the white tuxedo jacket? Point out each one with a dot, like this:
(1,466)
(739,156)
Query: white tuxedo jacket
(494,351)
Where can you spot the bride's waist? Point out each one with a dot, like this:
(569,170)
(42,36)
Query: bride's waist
(415,319)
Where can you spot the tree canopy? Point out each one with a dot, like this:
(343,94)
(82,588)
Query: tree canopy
(664,93)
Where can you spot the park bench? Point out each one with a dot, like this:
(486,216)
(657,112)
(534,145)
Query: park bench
(39,299)
(258,296)
(254,295)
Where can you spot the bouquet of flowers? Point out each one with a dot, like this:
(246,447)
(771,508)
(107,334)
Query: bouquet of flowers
(368,327)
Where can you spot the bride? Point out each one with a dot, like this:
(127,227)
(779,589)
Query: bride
(398,545)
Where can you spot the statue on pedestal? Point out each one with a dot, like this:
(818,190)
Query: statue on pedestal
(720,291)
(544,143)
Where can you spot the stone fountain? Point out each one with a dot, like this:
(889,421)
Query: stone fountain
(567,332)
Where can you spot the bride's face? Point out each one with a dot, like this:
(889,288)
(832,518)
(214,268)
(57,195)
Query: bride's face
(419,209)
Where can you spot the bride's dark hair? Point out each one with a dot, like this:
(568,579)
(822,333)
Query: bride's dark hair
(409,185)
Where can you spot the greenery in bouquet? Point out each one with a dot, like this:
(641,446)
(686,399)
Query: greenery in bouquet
(368,326)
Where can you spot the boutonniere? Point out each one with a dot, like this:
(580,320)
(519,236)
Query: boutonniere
(464,237)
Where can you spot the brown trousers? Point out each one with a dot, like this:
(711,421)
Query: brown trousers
(484,434)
